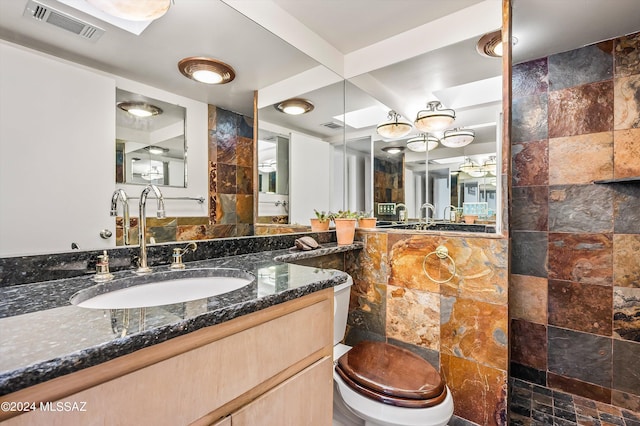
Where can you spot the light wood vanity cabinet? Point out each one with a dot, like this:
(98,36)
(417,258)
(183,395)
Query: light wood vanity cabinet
(272,367)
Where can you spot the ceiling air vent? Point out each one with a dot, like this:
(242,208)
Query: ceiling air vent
(49,15)
(332,125)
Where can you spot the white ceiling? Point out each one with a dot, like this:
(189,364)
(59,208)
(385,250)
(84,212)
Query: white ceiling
(396,53)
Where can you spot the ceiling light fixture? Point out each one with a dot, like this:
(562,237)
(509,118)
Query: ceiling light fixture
(153,174)
(457,138)
(268,166)
(145,10)
(490,166)
(295,106)
(472,169)
(393,128)
(139,109)
(419,143)
(393,149)
(490,44)
(156,150)
(435,117)
(206,70)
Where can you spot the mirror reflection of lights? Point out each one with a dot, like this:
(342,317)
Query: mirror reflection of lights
(153,174)
(156,150)
(457,138)
(434,117)
(268,166)
(295,106)
(393,150)
(395,127)
(419,143)
(140,109)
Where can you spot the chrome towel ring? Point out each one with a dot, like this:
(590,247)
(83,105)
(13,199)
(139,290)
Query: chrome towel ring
(442,253)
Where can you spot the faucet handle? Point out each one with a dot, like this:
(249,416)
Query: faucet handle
(179,252)
(102,268)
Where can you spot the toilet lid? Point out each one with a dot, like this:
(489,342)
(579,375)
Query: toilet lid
(391,371)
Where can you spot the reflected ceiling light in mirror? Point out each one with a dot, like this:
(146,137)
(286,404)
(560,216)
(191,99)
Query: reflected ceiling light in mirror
(419,143)
(139,109)
(394,127)
(457,138)
(268,166)
(490,166)
(156,150)
(472,169)
(295,106)
(393,149)
(206,70)
(142,10)
(435,117)
(153,174)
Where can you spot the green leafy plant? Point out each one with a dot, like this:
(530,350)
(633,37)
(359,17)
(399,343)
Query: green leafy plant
(344,214)
(363,214)
(322,216)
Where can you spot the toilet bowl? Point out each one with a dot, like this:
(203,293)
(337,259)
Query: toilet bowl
(376,383)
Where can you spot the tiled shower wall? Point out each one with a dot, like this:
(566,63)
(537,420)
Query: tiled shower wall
(459,326)
(230,163)
(574,292)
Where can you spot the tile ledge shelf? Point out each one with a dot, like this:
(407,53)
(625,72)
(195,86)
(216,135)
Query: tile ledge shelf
(635,179)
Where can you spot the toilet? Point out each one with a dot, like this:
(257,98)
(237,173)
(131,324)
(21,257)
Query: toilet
(378,384)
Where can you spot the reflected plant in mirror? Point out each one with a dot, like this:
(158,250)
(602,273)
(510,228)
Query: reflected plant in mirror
(150,141)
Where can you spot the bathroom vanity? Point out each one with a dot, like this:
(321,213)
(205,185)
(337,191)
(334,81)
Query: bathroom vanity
(258,355)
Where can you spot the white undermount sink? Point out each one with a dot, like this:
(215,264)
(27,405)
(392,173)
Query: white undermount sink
(162,288)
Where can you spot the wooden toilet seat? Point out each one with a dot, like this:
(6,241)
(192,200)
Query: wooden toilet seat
(391,375)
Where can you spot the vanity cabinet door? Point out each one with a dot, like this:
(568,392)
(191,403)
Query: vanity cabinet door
(223,422)
(304,399)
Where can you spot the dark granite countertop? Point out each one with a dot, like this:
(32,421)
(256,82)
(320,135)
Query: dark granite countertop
(44,336)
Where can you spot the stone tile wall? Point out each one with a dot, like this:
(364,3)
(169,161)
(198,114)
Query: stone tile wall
(459,326)
(575,259)
(230,150)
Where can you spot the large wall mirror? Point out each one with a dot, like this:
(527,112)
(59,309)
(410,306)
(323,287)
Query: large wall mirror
(150,141)
(369,176)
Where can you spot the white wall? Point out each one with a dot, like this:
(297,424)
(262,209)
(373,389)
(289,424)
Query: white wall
(309,177)
(57,153)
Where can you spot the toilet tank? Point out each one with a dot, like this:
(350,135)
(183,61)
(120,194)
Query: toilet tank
(341,295)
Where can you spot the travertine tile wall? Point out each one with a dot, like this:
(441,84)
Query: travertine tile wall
(575,283)
(459,326)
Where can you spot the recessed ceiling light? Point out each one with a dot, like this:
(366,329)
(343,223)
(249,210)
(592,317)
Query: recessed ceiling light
(156,150)
(295,106)
(139,109)
(490,44)
(206,70)
(393,149)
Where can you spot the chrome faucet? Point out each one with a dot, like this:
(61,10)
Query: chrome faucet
(453,213)
(401,217)
(119,194)
(142,262)
(427,207)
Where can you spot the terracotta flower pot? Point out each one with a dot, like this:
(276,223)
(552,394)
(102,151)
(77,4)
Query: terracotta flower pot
(318,226)
(470,219)
(345,230)
(367,222)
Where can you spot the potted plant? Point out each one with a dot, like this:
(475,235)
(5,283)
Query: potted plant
(366,220)
(345,221)
(320,222)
